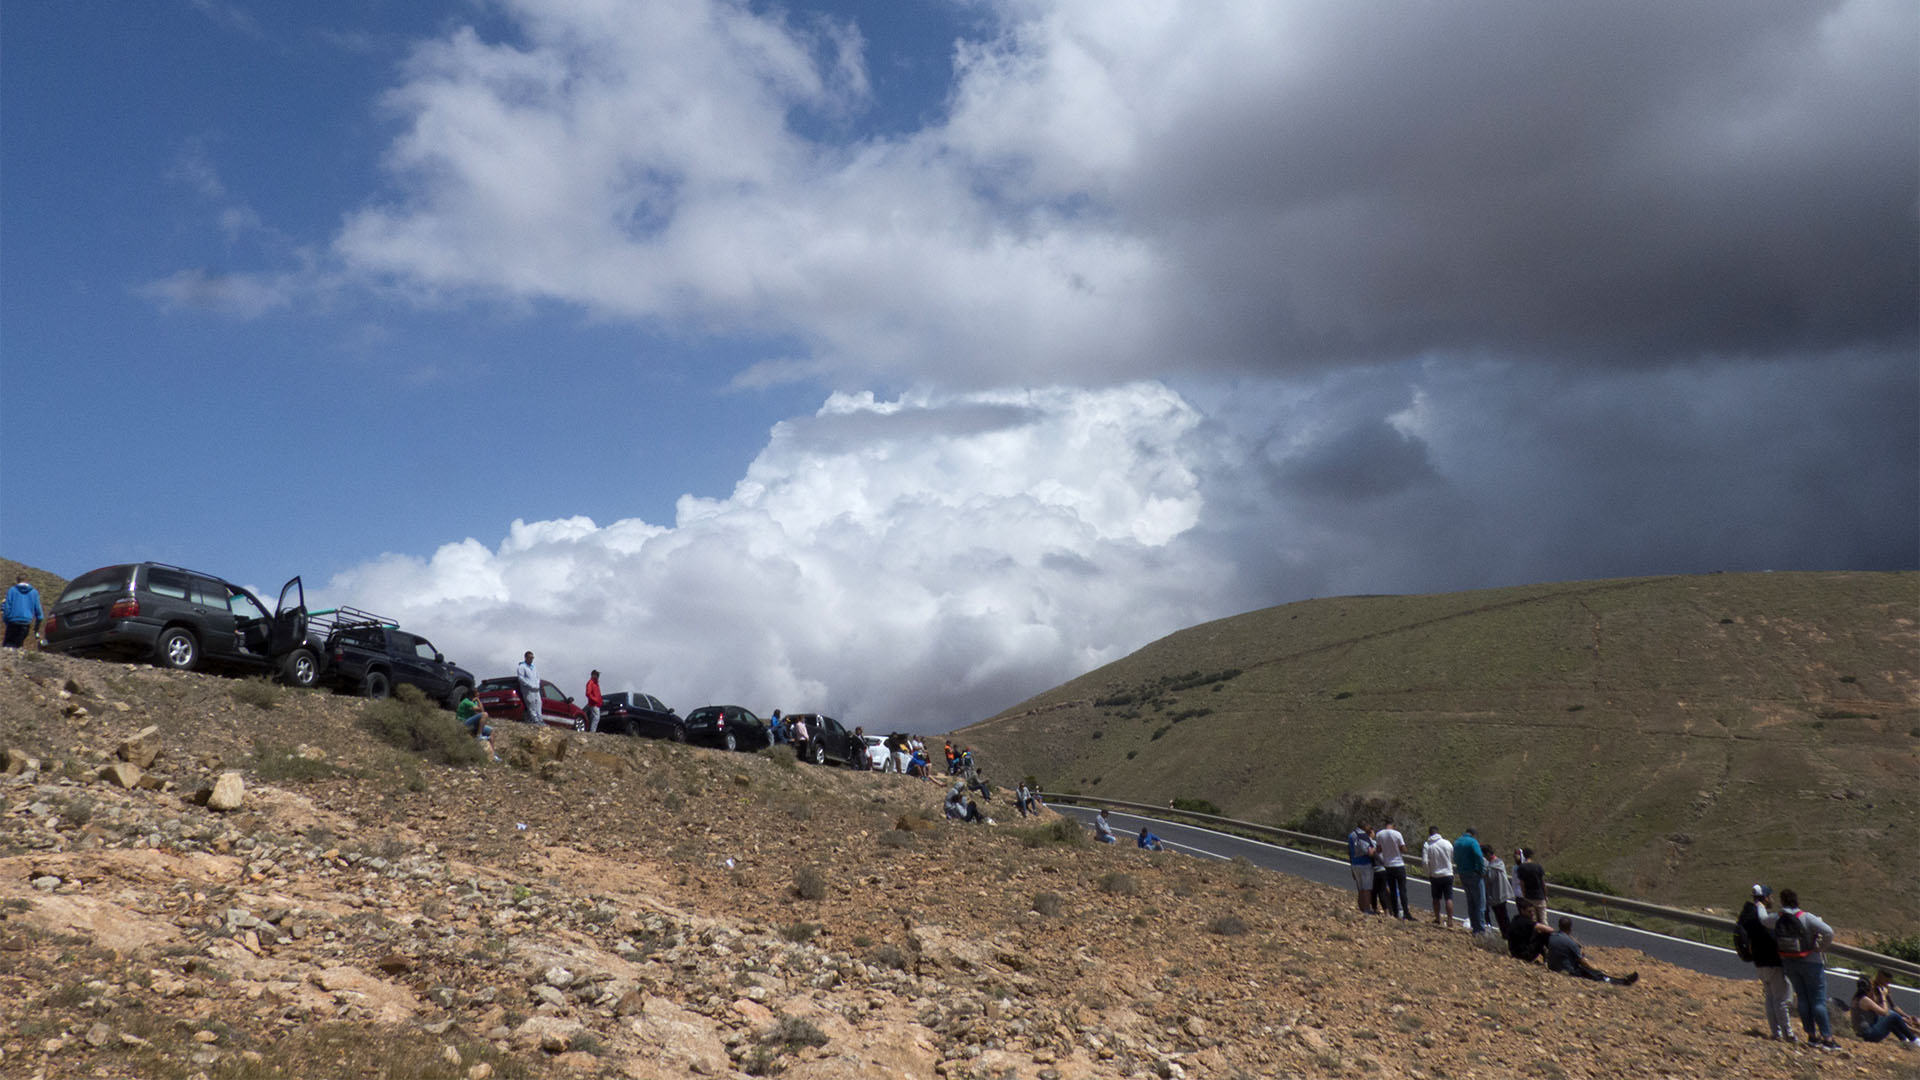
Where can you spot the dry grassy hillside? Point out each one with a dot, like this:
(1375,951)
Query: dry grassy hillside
(604,907)
(1676,738)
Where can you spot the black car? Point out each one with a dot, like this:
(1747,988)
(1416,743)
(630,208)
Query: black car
(729,727)
(184,619)
(641,714)
(828,741)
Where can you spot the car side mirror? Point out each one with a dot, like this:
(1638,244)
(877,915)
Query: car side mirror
(569,701)
(439,658)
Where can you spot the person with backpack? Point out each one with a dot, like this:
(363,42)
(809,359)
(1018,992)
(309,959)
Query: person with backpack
(1802,939)
(1753,941)
(1360,861)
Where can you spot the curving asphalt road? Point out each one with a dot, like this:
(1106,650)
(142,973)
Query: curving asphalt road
(1707,959)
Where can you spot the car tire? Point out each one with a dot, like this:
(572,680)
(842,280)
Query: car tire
(460,690)
(817,753)
(375,685)
(301,668)
(730,741)
(177,649)
(679,735)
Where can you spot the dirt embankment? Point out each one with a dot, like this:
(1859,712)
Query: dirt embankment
(608,907)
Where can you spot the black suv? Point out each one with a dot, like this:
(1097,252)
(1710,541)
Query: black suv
(729,727)
(828,741)
(183,619)
(641,714)
(370,658)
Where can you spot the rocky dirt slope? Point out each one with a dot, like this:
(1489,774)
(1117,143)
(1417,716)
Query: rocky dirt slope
(599,906)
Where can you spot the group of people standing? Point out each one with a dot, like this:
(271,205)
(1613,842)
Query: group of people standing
(1787,946)
(1378,860)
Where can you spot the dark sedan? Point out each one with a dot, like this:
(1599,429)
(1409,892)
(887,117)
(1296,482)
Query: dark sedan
(729,727)
(641,714)
(828,741)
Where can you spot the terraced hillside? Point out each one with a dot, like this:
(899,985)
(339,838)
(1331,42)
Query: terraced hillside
(1677,737)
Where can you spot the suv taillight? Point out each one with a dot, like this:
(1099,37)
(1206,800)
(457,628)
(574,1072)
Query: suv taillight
(46,628)
(125,609)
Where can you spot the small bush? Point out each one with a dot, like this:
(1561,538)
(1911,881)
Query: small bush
(409,721)
(1047,904)
(1343,695)
(1228,926)
(1195,806)
(799,933)
(1118,884)
(889,955)
(896,838)
(1900,948)
(794,1032)
(1159,731)
(280,764)
(1058,831)
(809,883)
(257,692)
(1574,879)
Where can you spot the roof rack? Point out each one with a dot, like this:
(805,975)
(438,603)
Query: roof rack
(330,621)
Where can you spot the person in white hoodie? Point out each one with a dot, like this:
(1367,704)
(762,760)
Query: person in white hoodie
(1391,847)
(1437,858)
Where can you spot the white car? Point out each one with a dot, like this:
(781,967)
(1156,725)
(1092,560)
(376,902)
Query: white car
(876,752)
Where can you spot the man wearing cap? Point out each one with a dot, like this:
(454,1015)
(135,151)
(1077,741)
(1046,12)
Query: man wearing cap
(1753,935)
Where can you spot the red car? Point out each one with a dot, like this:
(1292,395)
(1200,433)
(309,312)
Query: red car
(501,698)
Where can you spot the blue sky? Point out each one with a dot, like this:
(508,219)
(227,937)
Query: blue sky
(905,358)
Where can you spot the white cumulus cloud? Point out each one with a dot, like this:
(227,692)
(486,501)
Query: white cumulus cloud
(895,562)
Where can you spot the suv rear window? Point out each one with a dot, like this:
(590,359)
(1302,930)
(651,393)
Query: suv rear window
(500,684)
(711,712)
(94,582)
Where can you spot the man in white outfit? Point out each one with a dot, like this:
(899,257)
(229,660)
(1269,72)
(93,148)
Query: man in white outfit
(529,689)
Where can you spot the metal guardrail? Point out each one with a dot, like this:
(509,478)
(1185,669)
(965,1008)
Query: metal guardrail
(1601,900)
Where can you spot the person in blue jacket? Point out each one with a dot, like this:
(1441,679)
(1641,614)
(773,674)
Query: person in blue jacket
(22,613)
(1148,841)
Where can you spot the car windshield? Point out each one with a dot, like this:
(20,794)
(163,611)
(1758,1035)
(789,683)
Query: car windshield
(500,684)
(94,582)
(710,712)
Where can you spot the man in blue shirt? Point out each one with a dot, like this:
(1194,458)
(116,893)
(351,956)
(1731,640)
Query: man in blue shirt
(22,613)
(1470,870)
(1360,861)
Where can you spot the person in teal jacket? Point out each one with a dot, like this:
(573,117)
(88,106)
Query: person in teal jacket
(1470,869)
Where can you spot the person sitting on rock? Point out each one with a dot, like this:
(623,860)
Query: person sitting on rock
(961,808)
(1565,956)
(1148,841)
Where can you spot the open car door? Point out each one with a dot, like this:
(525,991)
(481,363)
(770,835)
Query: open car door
(289,619)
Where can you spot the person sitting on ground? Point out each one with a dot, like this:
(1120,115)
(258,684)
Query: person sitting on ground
(1875,1016)
(1023,799)
(1527,935)
(1103,828)
(961,808)
(469,713)
(1148,841)
(1565,956)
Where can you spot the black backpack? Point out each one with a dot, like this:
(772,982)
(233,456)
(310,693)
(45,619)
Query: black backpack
(1742,941)
(1791,936)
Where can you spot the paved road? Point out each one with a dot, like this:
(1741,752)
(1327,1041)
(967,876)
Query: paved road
(1707,959)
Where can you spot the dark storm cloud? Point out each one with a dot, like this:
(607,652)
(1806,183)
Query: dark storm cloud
(1366,460)
(1631,183)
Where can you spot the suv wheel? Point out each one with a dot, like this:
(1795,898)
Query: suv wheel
(300,668)
(730,741)
(178,649)
(375,685)
(460,690)
(679,734)
(817,754)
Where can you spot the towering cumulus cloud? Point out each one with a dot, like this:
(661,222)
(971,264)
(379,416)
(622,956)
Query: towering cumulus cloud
(899,562)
